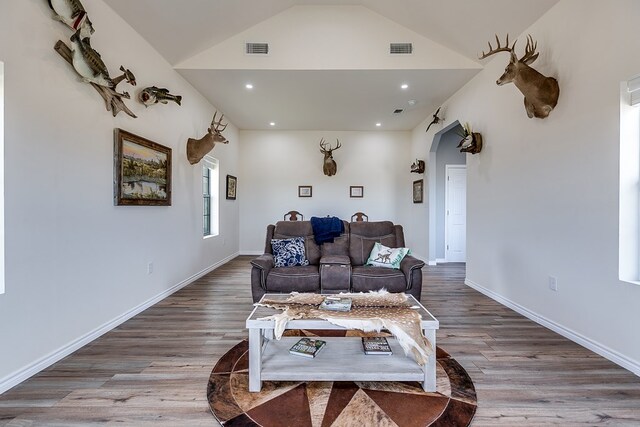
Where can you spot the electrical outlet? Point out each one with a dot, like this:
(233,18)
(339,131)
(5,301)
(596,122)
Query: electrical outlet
(553,283)
(150,268)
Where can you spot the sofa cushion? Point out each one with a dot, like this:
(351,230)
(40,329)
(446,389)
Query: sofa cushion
(288,279)
(288,229)
(289,252)
(365,234)
(369,278)
(340,246)
(383,256)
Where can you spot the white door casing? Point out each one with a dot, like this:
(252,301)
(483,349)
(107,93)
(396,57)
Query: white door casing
(455,235)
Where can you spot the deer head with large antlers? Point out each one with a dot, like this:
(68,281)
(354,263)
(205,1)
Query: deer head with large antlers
(198,148)
(329,167)
(540,92)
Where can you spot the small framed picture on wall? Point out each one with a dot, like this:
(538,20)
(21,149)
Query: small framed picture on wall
(304,191)
(232,187)
(418,191)
(356,191)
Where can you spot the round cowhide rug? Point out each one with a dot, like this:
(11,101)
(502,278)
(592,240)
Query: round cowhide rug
(338,403)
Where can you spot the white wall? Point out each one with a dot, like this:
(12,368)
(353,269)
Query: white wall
(542,197)
(275,163)
(74,261)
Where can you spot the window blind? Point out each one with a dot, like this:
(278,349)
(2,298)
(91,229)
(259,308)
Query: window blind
(633,86)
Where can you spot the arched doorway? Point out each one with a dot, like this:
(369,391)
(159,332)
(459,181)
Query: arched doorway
(445,231)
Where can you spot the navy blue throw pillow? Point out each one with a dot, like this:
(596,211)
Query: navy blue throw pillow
(289,252)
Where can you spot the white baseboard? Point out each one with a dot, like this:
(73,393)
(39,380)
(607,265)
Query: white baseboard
(254,253)
(592,345)
(441,260)
(28,371)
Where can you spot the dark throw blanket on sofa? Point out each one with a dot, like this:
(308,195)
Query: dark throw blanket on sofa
(326,229)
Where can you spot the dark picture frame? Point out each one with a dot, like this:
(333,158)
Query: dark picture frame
(418,191)
(356,191)
(232,187)
(142,171)
(305,191)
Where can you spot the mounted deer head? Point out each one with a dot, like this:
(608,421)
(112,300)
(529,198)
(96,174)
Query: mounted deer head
(540,92)
(329,168)
(198,148)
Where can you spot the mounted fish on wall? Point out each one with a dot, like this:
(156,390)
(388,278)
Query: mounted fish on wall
(72,13)
(85,60)
(153,95)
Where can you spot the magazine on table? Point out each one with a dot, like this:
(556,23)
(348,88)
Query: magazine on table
(307,347)
(376,345)
(336,303)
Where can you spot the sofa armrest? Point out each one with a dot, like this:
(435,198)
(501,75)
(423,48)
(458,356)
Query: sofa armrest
(263,262)
(263,265)
(408,265)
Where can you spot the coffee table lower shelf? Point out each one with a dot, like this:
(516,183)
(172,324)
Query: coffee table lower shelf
(342,359)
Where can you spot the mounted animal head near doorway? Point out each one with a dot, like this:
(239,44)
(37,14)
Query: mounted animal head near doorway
(540,92)
(329,167)
(198,148)
(471,141)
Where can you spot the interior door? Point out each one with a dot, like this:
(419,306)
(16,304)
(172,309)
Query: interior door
(456,213)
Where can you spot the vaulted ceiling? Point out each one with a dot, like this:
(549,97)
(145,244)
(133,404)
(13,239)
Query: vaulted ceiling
(329,66)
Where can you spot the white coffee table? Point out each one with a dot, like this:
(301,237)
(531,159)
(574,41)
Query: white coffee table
(342,359)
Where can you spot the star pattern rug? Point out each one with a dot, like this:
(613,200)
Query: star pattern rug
(338,403)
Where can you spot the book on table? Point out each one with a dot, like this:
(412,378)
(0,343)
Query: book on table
(376,345)
(307,347)
(336,303)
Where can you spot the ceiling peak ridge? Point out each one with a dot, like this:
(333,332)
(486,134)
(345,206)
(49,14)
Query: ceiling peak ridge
(324,37)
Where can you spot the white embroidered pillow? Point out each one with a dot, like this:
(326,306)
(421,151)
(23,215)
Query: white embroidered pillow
(382,256)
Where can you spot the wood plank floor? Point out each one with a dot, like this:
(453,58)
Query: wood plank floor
(153,369)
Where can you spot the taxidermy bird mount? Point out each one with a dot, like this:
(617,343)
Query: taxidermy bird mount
(72,14)
(471,141)
(435,120)
(417,166)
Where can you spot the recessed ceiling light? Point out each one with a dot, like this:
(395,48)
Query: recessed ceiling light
(249,86)
(272,124)
(378,124)
(404,86)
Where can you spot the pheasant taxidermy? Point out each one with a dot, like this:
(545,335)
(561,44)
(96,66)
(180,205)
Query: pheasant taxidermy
(435,120)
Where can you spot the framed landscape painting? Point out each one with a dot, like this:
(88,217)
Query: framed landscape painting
(142,171)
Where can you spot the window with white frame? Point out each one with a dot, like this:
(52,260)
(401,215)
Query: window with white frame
(629,200)
(210,197)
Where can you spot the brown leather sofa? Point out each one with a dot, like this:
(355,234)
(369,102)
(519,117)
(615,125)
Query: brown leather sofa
(338,266)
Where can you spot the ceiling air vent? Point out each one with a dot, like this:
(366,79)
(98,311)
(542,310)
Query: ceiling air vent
(257,49)
(401,48)
(398,111)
